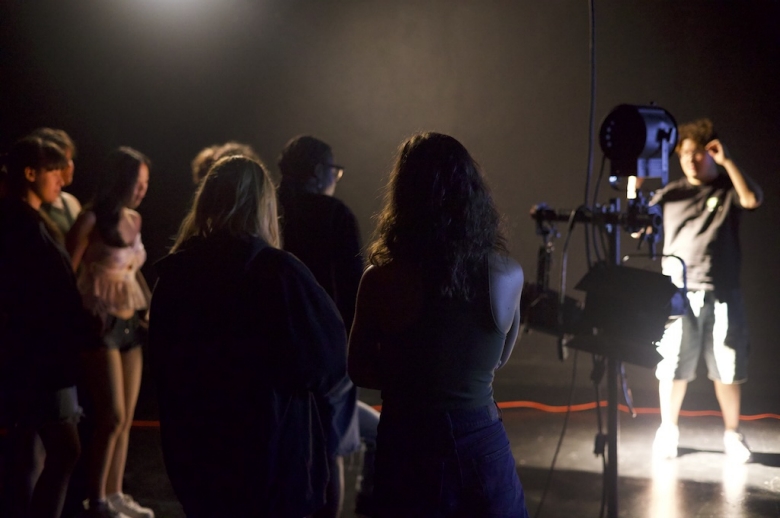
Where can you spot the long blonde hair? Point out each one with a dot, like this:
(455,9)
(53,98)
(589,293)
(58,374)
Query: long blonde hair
(237,197)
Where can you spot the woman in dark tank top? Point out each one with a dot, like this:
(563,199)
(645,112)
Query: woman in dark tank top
(437,313)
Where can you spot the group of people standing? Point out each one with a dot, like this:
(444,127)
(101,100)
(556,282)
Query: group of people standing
(263,321)
(251,359)
(248,334)
(72,301)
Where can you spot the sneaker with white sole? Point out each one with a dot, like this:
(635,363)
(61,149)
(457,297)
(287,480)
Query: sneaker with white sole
(99,509)
(665,443)
(125,505)
(736,447)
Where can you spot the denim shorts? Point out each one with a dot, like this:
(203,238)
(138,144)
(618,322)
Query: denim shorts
(122,334)
(714,326)
(455,463)
(36,407)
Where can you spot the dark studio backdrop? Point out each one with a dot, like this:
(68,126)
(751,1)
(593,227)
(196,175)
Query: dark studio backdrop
(510,79)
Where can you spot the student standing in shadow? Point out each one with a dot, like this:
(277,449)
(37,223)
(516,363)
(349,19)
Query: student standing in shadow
(42,330)
(322,232)
(244,344)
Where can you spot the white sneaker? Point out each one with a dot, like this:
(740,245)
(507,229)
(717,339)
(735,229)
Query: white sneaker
(99,509)
(665,443)
(125,505)
(735,446)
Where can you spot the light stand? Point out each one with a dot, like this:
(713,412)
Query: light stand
(626,309)
(597,333)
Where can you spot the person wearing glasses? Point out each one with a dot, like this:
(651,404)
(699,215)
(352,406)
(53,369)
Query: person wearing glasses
(323,233)
(702,212)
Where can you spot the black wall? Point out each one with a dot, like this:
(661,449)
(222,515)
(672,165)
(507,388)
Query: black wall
(510,79)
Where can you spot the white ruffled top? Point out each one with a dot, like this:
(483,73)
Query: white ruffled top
(107,280)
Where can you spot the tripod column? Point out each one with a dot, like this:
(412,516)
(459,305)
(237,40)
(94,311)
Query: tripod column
(613,370)
(611,481)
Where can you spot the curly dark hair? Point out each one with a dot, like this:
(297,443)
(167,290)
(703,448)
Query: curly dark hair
(208,156)
(438,216)
(701,131)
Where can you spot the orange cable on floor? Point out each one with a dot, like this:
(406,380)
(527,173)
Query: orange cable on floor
(623,408)
(556,409)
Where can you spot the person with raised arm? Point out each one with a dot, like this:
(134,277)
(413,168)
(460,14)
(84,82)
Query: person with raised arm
(701,219)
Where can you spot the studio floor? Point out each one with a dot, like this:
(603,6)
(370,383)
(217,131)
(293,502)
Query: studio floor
(701,482)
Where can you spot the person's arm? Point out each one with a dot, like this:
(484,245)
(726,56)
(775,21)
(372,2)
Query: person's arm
(77,239)
(363,355)
(511,338)
(506,287)
(750,194)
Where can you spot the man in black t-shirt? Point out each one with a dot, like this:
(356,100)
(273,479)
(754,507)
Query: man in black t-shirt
(323,233)
(701,215)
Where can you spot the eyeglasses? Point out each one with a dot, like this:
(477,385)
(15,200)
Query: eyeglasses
(339,170)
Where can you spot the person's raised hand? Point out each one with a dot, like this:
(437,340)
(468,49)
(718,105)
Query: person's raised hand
(717,151)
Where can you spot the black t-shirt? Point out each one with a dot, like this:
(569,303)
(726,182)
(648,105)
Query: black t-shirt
(323,233)
(701,226)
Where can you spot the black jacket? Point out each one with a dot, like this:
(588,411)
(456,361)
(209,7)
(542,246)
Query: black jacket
(243,343)
(43,325)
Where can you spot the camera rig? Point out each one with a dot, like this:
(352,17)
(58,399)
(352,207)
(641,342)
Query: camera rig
(626,309)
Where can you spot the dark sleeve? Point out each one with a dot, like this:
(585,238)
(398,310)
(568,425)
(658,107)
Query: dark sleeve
(45,310)
(657,198)
(347,264)
(311,342)
(59,285)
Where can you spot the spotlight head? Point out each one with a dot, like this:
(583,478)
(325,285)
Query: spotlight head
(638,140)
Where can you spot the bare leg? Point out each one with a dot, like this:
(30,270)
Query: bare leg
(61,442)
(104,373)
(132,365)
(729,396)
(671,394)
(27,464)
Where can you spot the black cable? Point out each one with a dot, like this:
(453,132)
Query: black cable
(591,138)
(592,115)
(560,438)
(596,229)
(603,236)
(564,254)
(564,262)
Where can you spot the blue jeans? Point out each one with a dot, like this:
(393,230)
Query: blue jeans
(455,463)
